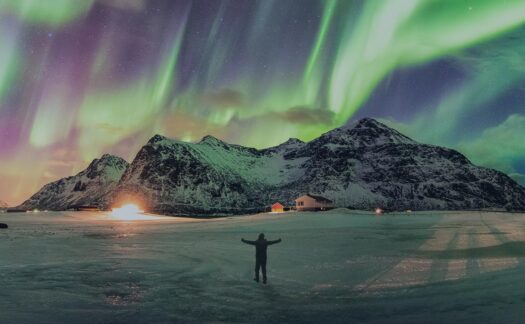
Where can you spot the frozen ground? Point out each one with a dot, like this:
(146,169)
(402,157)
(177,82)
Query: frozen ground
(338,266)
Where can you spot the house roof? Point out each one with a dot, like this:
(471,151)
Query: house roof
(317,198)
(277,205)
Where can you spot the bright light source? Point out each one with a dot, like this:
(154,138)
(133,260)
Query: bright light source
(129,208)
(378,211)
(128,211)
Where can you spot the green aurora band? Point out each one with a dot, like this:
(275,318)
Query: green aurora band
(54,13)
(386,35)
(223,88)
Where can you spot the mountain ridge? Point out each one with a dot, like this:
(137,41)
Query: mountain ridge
(363,165)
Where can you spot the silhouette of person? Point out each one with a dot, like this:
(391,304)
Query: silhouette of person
(260,254)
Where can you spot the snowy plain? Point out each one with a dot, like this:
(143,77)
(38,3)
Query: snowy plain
(335,267)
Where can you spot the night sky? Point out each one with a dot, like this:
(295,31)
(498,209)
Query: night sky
(79,78)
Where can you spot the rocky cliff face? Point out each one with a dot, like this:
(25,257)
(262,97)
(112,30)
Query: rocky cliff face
(365,165)
(89,187)
(3,205)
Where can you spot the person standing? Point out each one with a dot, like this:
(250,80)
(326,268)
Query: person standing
(261,245)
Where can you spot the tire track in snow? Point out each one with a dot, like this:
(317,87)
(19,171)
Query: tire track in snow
(472,263)
(500,236)
(457,269)
(410,271)
(440,267)
(413,271)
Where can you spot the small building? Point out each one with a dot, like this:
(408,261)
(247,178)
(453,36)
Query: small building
(313,202)
(277,208)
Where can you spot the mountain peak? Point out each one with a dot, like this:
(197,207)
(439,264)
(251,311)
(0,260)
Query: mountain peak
(366,122)
(290,145)
(209,139)
(156,138)
(369,122)
(366,132)
(107,163)
(90,186)
(111,157)
(369,131)
(293,140)
(107,159)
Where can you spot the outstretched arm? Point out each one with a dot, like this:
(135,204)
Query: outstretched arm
(274,242)
(248,242)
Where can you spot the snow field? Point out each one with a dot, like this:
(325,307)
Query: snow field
(338,266)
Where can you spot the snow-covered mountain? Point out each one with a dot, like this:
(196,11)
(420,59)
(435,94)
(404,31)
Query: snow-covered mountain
(364,165)
(89,187)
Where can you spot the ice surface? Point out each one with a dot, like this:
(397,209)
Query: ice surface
(337,266)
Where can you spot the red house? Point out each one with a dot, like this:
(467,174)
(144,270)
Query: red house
(277,208)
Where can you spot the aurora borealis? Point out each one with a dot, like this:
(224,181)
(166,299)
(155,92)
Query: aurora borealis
(83,78)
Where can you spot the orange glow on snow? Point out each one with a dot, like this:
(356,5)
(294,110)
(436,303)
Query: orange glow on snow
(127,212)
